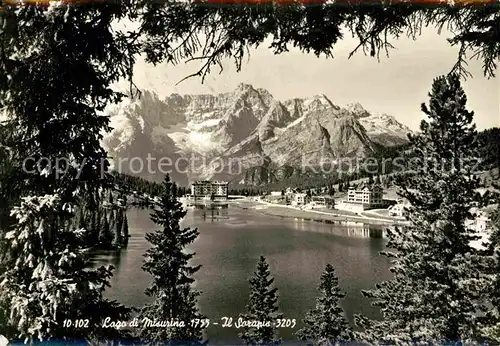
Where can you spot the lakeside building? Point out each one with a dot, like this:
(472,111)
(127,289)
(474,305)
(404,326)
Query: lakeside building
(323,201)
(300,199)
(209,190)
(371,196)
(399,210)
(482,221)
(364,197)
(482,225)
(289,195)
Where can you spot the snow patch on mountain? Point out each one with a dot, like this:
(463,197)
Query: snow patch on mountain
(295,122)
(199,143)
(247,125)
(317,101)
(385,129)
(123,131)
(207,124)
(358,110)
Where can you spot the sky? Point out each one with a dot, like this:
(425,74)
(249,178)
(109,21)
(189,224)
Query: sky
(396,85)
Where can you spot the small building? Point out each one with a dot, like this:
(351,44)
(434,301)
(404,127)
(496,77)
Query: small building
(482,221)
(289,195)
(323,201)
(399,210)
(209,190)
(300,199)
(482,225)
(366,196)
(276,193)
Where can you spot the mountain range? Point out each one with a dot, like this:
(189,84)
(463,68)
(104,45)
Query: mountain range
(245,136)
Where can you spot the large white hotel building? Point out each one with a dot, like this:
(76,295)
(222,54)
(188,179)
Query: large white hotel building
(209,190)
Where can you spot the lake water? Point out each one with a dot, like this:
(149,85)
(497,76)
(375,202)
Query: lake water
(229,247)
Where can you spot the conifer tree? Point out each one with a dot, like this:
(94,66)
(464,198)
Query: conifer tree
(440,281)
(54,84)
(389,181)
(117,241)
(326,324)
(331,191)
(105,235)
(125,229)
(491,331)
(112,219)
(123,222)
(474,30)
(96,225)
(113,230)
(81,219)
(51,259)
(385,181)
(492,321)
(9,184)
(494,239)
(168,263)
(119,226)
(263,307)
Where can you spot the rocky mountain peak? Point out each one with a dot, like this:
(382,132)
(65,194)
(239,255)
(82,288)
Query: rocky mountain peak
(318,102)
(323,99)
(389,119)
(246,125)
(358,110)
(244,87)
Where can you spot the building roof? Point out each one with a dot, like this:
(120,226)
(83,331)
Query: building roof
(209,182)
(322,197)
(364,185)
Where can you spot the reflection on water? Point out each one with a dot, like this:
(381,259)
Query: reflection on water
(228,249)
(346,228)
(206,206)
(211,211)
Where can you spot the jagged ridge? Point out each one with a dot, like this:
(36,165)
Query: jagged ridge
(247,127)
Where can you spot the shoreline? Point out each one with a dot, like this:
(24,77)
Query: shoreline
(313,215)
